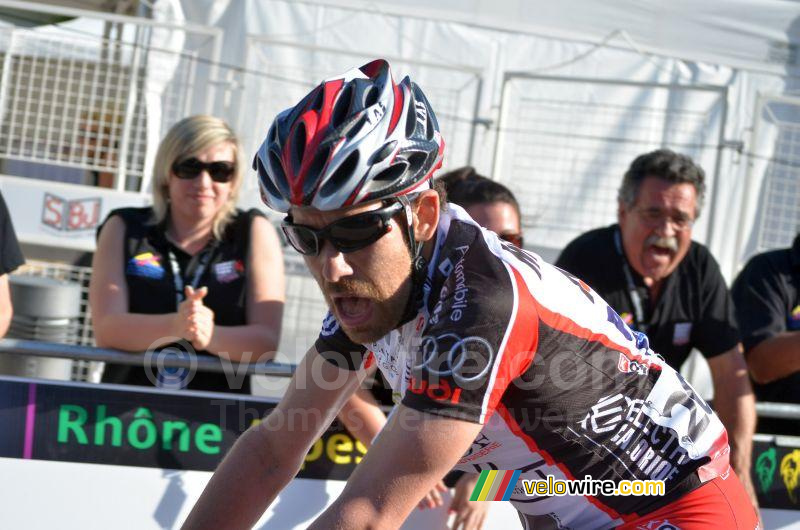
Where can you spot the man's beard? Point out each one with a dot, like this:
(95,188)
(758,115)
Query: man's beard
(387,308)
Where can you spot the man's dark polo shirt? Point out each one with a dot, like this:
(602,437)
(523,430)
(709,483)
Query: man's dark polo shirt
(767,304)
(694,309)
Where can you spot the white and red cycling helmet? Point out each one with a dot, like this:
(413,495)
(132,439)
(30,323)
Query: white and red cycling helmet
(354,138)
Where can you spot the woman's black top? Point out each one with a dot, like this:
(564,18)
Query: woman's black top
(222,267)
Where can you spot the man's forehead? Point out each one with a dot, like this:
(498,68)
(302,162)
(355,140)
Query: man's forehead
(655,189)
(308,212)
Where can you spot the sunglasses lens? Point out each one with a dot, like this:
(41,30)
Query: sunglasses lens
(188,169)
(302,239)
(192,167)
(356,232)
(221,171)
(514,239)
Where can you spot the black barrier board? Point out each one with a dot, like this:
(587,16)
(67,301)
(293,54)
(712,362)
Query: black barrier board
(99,425)
(776,470)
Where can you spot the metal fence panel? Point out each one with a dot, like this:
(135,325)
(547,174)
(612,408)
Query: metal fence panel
(778,219)
(278,74)
(564,143)
(91,97)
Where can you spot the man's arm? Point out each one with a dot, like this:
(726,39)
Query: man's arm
(775,358)
(413,452)
(362,416)
(267,456)
(736,405)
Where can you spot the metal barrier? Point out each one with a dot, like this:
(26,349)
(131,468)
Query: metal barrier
(785,411)
(302,317)
(207,363)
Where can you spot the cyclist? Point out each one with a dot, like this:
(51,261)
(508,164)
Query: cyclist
(498,360)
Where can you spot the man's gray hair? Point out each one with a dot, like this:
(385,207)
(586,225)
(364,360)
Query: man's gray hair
(664,164)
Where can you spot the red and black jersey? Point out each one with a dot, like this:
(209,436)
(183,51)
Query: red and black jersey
(560,383)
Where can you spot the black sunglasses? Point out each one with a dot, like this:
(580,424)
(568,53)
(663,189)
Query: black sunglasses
(348,234)
(190,168)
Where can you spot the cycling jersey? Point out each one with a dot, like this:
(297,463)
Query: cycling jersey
(561,385)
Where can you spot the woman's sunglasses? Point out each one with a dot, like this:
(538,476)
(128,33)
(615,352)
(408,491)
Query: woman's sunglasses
(190,168)
(348,234)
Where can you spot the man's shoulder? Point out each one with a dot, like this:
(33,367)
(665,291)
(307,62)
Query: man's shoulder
(598,238)
(700,261)
(583,254)
(777,261)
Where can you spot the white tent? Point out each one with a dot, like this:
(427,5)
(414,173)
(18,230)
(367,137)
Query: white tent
(556,99)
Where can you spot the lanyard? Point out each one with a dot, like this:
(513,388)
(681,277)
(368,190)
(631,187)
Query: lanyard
(177,277)
(636,301)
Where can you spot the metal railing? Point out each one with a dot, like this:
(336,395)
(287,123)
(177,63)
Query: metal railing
(200,362)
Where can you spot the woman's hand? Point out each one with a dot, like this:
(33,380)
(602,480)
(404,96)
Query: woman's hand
(195,321)
(470,515)
(434,497)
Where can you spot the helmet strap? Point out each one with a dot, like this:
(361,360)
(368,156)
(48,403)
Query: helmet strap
(419,265)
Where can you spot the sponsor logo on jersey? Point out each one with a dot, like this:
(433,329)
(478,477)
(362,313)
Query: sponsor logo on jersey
(228,271)
(467,360)
(146,265)
(629,366)
(481,447)
(646,450)
(329,325)
(446,267)
(682,333)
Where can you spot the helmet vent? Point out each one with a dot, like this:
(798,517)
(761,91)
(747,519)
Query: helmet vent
(355,127)
(276,167)
(314,171)
(342,107)
(392,173)
(429,126)
(316,106)
(416,160)
(411,119)
(381,154)
(265,179)
(342,176)
(371,96)
(298,147)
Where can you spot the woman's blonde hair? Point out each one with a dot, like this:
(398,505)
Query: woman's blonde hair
(186,138)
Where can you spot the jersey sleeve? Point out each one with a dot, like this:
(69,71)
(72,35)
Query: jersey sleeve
(480,338)
(717,332)
(760,302)
(336,347)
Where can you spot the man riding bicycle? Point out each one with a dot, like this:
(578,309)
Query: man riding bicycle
(497,359)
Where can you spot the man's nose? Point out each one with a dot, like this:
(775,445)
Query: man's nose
(334,264)
(666,227)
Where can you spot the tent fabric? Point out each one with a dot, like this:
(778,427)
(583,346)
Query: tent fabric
(630,75)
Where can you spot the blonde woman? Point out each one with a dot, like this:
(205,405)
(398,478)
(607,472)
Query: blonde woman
(192,272)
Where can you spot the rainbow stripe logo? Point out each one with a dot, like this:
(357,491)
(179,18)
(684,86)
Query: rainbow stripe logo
(494,485)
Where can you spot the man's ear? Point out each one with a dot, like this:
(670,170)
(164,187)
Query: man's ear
(621,211)
(426,215)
